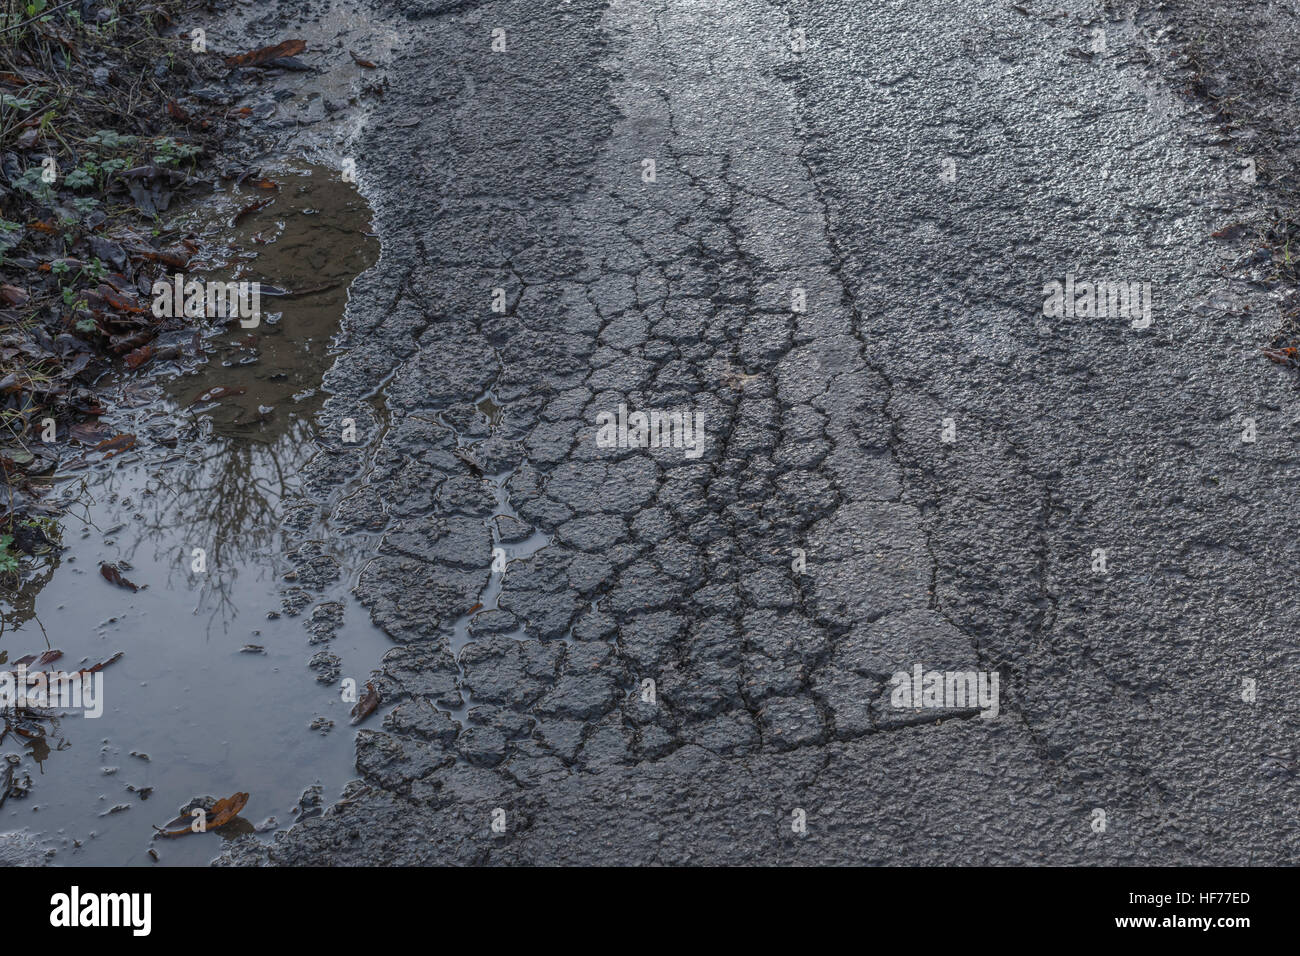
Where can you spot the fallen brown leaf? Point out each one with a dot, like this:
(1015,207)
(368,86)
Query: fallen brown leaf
(260,56)
(139,356)
(173,258)
(96,668)
(48,657)
(222,812)
(120,302)
(366,705)
(252,208)
(89,433)
(113,575)
(13,295)
(119,442)
(1232,232)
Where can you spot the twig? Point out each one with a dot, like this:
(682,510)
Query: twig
(39,16)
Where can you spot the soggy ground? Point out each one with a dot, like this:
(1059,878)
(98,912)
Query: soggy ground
(947,459)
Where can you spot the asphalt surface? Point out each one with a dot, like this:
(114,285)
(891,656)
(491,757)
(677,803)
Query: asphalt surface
(921,170)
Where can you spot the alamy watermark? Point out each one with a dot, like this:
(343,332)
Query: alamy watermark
(1101,299)
(66,690)
(947,690)
(75,909)
(196,299)
(654,429)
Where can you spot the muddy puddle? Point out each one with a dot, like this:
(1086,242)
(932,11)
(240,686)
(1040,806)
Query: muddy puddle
(212,694)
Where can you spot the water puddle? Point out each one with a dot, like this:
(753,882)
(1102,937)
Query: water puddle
(212,694)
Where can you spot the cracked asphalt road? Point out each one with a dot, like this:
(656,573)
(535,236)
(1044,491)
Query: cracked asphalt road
(919,170)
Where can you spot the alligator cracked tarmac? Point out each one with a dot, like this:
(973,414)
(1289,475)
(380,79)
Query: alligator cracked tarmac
(791,432)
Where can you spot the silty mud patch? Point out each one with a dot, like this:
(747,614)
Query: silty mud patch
(211,695)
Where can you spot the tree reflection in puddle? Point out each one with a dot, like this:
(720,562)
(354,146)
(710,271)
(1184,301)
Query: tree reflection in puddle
(212,695)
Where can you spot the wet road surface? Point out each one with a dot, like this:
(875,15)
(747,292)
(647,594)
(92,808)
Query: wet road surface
(828,229)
